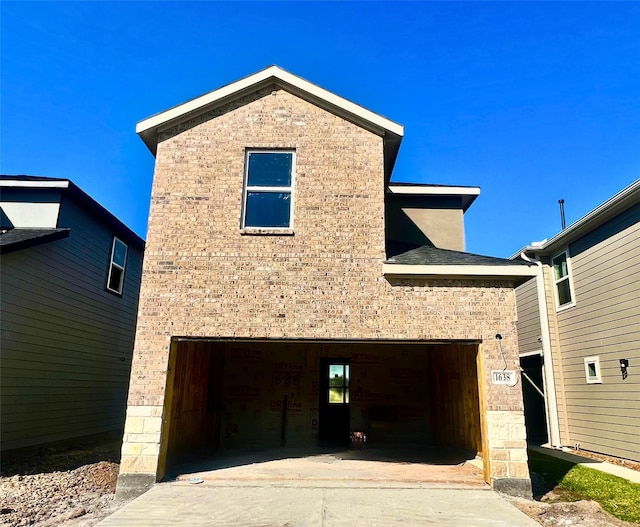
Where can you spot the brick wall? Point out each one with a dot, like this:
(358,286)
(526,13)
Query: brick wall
(202,277)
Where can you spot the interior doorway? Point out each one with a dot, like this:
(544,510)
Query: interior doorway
(534,400)
(334,404)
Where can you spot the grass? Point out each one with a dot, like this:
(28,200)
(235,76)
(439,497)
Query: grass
(616,495)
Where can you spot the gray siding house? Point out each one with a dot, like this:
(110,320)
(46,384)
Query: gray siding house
(70,281)
(579,328)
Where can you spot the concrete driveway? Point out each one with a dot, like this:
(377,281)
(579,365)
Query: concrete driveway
(184,504)
(354,488)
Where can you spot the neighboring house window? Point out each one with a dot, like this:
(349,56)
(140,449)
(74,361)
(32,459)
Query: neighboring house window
(268,189)
(115,281)
(592,370)
(562,279)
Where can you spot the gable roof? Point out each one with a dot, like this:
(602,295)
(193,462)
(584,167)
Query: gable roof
(68,188)
(618,203)
(392,132)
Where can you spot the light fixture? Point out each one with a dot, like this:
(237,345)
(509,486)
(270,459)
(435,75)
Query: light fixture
(624,364)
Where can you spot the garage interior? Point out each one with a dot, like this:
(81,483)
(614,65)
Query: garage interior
(228,398)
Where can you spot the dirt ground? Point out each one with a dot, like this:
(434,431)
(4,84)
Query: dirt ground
(74,487)
(559,507)
(70,487)
(566,514)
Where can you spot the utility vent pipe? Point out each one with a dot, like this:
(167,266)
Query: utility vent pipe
(562,220)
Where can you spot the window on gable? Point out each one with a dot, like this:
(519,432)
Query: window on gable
(115,280)
(268,189)
(562,280)
(592,370)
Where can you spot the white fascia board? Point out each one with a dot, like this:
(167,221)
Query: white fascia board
(527,249)
(444,271)
(599,215)
(336,100)
(275,72)
(622,200)
(433,191)
(16,183)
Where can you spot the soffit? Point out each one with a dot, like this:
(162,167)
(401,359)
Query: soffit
(467,195)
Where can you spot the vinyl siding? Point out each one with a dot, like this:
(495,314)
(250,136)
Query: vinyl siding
(66,341)
(529,331)
(604,322)
(528,317)
(556,356)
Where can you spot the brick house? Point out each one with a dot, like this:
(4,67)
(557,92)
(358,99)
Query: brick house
(291,293)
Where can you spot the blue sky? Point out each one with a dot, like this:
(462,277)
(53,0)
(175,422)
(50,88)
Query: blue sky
(531,101)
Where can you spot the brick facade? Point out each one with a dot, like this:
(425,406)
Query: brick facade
(203,277)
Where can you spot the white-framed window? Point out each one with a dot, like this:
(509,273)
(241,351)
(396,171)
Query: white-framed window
(562,280)
(117,265)
(592,370)
(268,189)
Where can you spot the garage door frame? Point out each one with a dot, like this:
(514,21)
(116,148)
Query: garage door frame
(171,372)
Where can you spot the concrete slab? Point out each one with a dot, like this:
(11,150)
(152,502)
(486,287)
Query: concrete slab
(183,504)
(336,468)
(609,468)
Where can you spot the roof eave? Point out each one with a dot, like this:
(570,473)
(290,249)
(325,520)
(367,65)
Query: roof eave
(467,195)
(68,187)
(149,128)
(624,199)
(55,235)
(517,273)
(101,212)
(9,182)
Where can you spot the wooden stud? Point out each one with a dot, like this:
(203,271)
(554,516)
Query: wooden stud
(482,394)
(167,411)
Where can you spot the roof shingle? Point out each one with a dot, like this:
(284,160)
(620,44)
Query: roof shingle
(426,255)
(16,239)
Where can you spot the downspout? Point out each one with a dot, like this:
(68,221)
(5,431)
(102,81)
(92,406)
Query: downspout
(550,392)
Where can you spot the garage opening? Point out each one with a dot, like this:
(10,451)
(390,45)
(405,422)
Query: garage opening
(226,398)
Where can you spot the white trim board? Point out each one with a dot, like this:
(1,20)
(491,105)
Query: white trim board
(427,190)
(147,128)
(531,354)
(17,183)
(459,271)
(627,197)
